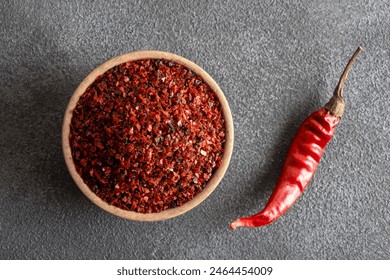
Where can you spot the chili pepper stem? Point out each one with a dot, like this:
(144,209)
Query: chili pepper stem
(336,103)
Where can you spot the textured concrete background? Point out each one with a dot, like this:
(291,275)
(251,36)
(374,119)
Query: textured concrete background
(276,63)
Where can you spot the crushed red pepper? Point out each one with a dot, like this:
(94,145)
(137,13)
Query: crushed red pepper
(147,135)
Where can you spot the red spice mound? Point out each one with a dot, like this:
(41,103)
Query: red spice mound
(147,135)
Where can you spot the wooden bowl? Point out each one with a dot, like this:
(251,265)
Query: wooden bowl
(169,213)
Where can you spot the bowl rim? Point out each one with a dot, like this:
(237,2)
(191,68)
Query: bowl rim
(211,184)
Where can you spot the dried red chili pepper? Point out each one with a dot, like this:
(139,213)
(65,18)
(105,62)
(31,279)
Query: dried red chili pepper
(303,157)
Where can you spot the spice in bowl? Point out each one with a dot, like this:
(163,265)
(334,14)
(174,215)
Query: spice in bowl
(147,135)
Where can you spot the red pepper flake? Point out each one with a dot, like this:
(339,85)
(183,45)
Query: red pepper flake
(147,135)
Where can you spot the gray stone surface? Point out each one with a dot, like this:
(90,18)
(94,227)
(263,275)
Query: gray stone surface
(276,62)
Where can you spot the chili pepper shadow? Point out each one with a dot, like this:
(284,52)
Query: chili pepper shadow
(39,87)
(254,196)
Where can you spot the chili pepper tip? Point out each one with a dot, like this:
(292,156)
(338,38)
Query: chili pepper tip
(233,225)
(257,220)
